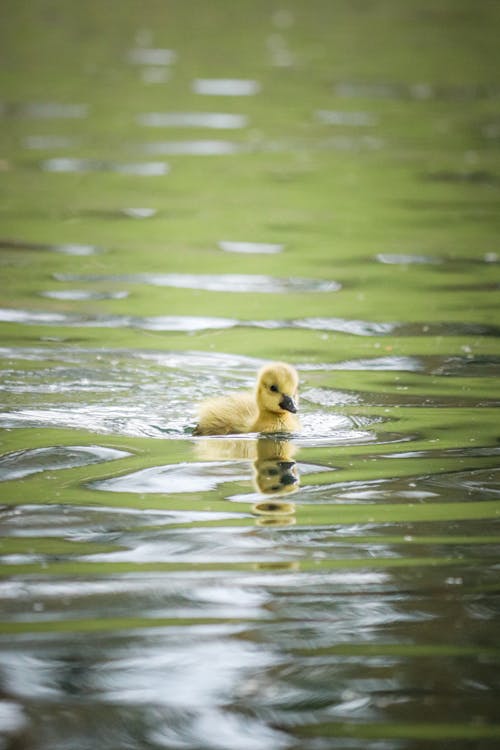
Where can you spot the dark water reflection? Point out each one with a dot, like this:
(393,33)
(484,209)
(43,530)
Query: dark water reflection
(66,249)
(335,588)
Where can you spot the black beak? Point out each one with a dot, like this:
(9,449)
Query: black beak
(288,479)
(288,404)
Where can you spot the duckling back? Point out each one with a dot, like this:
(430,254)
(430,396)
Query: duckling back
(227,415)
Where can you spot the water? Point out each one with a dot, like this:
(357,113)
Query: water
(188,192)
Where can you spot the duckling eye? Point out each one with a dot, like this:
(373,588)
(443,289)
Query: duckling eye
(273,388)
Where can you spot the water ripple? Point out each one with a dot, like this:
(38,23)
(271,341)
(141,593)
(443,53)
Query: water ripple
(406,260)
(193,148)
(225,87)
(215,283)
(65,249)
(159,323)
(473,177)
(156,74)
(192,323)
(151,56)
(354,119)
(23,463)
(351,143)
(184,323)
(409,364)
(128,212)
(30,317)
(401,259)
(176,478)
(67,164)
(341,325)
(138,213)
(48,142)
(329,397)
(80,294)
(118,419)
(44,110)
(419,91)
(262,248)
(214,120)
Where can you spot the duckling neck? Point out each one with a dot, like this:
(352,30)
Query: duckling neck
(270,421)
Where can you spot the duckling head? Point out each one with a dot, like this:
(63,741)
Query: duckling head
(272,476)
(277,386)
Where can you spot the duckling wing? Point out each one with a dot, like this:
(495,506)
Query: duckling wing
(227,415)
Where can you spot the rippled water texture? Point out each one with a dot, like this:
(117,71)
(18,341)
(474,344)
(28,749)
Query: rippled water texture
(189,190)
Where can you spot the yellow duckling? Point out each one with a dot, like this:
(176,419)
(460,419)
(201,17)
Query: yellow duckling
(270,408)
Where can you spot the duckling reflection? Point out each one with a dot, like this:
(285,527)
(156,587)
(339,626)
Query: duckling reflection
(272,476)
(274,470)
(275,521)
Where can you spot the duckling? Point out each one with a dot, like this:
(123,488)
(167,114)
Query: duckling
(270,408)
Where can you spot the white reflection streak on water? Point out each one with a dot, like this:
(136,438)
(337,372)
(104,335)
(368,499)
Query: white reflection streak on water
(81,294)
(229,282)
(193,148)
(265,248)
(214,120)
(356,119)
(69,164)
(151,56)
(139,213)
(184,322)
(225,87)
(43,142)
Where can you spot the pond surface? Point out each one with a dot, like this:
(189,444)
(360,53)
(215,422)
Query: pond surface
(189,190)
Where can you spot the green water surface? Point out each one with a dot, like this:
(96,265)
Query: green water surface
(335,205)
